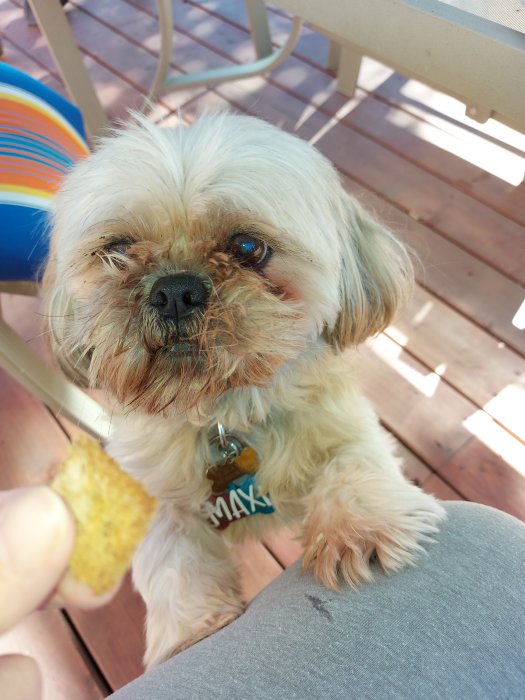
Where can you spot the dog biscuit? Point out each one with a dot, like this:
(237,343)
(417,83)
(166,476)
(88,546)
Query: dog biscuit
(112,513)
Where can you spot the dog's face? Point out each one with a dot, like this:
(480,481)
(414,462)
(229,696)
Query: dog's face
(185,263)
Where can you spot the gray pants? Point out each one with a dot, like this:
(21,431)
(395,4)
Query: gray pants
(452,627)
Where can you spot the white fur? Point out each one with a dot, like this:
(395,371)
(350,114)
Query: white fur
(324,458)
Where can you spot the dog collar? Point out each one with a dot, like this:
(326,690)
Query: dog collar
(235,494)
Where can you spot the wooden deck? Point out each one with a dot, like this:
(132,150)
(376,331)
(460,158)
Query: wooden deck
(448,378)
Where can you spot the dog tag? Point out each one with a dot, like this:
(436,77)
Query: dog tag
(232,459)
(234,492)
(242,498)
(221,475)
(248,460)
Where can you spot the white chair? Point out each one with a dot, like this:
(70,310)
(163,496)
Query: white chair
(473,50)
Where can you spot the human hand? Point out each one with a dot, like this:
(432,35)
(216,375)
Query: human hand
(37,534)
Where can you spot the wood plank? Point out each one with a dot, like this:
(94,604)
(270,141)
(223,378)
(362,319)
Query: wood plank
(464,159)
(142,29)
(114,635)
(441,489)
(470,286)
(311,47)
(233,44)
(298,74)
(489,468)
(285,546)
(23,314)
(30,440)
(442,427)
(448,116)
(116,95)
(257,568)
(475,363)
(496,240)
(25,62)
(413,467)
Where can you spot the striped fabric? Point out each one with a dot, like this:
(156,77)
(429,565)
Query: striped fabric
(41,136)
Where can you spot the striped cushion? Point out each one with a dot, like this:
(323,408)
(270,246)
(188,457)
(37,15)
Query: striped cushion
(41,136)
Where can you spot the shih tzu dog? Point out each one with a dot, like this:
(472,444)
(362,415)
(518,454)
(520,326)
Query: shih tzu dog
(208,279)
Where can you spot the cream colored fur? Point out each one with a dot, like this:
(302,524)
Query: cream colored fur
(268,357)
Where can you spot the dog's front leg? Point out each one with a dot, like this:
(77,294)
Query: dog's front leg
(362,510)
(188,580)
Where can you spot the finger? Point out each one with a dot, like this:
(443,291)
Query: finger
(37,533)
(73,592)
(20,678)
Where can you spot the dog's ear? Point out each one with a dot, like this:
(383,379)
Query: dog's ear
(376,278)
(59,318)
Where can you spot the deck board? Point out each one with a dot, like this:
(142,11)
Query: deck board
(478,365)
(447,378)
(116,95)
(474,288)
(114,635)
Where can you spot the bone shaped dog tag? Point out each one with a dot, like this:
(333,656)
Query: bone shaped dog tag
(232,460)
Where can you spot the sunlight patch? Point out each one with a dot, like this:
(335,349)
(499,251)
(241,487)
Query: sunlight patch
(519,317)
(497,439)
(390,352)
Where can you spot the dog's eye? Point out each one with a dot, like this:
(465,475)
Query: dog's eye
(114,252)
(118,247)
(249,250)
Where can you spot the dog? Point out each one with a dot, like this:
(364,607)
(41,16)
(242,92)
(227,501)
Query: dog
(208,279)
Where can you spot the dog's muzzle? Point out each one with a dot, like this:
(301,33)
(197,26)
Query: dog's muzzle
(179,295)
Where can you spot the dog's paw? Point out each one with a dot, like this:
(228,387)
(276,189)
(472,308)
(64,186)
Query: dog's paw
(171,638)
(344,545)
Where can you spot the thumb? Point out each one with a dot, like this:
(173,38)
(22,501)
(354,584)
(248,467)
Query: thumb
(37,534)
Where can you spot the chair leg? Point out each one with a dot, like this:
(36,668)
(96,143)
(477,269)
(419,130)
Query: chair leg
(259,28)
(55,28)
(334,55)
(62,397)
(349,65)
(163,84)
(165,12)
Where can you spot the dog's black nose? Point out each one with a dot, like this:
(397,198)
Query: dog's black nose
(179,295)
